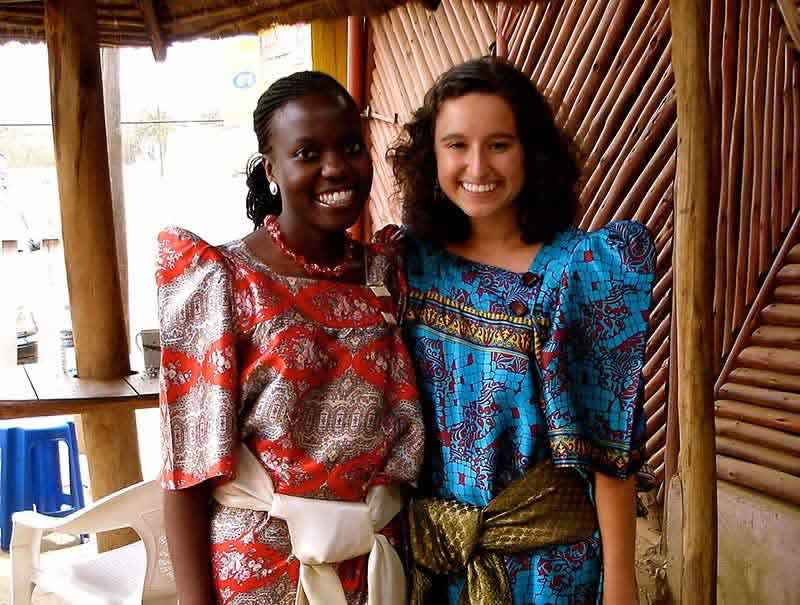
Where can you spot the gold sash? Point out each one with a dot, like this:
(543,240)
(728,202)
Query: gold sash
(548,505)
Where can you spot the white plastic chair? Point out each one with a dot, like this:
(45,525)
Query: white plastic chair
(137,573)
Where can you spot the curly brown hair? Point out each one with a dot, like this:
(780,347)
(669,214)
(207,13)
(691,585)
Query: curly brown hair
(548,202)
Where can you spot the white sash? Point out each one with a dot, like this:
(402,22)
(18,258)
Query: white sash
(324,532)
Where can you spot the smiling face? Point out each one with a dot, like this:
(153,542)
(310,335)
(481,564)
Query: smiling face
(480,160)
(320,161)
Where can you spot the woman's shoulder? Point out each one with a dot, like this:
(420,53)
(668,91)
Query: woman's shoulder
(389,235)
(181,251)
(399,235)
(178,238)
(402,242)
(621,246)
(423,263)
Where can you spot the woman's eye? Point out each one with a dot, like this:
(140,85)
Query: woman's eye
(354,148)
(500,145)
(306,154)
(456,145)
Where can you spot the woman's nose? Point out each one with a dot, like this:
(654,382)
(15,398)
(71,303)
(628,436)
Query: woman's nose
(334,166)
(476,162)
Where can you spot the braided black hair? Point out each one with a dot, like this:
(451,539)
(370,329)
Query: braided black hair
(260,202)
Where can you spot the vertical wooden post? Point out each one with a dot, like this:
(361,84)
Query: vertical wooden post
(109,64)
(329,47)
(356,85)
(84,187)
(693,310)
(357,59)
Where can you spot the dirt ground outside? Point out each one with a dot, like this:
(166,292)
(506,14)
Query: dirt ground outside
(651,565)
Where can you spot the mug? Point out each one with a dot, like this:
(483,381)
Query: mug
(149,343)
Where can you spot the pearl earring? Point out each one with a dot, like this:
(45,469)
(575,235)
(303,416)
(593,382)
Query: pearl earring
(273,188)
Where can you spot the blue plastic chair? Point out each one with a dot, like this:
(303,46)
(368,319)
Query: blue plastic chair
(30,477)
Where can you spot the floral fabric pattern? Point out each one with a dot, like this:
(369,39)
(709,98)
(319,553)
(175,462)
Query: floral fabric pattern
(309,374)
(517,368)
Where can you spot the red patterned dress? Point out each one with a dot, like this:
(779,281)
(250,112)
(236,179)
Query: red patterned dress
(312,375)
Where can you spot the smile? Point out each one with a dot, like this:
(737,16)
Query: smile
(336,199)
(478,188)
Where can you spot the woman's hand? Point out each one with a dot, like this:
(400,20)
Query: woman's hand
(616,514)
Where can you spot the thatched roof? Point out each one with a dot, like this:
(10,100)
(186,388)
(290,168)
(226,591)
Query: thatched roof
(157,23)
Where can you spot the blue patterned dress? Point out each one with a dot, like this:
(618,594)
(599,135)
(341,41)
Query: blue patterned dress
(515,368)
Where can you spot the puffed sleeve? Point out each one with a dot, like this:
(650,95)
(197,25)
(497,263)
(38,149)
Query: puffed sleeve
(592,381)
(199,375)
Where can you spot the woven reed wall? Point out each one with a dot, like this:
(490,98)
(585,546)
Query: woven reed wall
(605,67)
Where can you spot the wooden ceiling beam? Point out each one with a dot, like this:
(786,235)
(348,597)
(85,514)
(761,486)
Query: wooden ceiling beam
(157,42)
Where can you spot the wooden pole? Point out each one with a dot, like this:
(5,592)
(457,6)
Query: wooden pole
(84,187)
(356,59)
(356,86)
(329,48)
(109,64)
(693,282)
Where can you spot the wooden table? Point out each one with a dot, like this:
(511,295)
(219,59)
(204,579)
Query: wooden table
(34,390)
(107,413)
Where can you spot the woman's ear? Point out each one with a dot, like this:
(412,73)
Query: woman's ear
(268,167)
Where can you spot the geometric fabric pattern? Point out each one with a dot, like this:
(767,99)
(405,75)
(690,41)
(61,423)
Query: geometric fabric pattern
(515,369)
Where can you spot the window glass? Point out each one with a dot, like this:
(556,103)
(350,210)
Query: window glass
(187,132)
(180,133)
(32,308)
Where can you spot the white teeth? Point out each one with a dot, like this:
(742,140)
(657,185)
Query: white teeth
(336,198)
(476,188)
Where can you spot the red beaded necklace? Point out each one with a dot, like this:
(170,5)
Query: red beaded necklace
(337,270)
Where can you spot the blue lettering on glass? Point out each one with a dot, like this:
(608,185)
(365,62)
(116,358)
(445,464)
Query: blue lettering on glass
(244,79)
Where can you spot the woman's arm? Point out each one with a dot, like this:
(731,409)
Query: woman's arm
(187,527)
(616,513)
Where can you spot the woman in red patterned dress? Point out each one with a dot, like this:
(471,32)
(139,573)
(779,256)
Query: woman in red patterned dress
(283,347)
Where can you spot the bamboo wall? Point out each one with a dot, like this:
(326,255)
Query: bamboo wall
(605,67)
(410,46)
(755,84)
(758,399)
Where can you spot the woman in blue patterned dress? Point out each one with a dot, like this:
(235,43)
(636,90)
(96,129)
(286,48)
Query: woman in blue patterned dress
(528,334)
